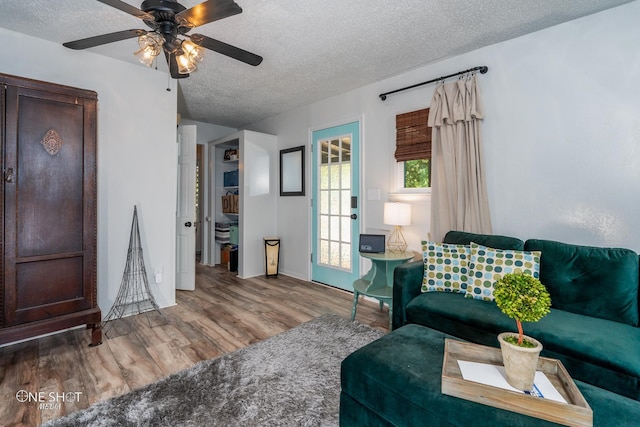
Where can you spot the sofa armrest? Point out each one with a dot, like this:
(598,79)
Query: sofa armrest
(407,284)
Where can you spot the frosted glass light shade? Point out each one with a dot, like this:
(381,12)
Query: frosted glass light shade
(150,47)
(151,42)
(185,65)
(397,213)
(193,51)
(145,56)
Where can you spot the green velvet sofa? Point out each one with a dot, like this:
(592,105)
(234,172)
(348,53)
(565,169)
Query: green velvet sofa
(593,324)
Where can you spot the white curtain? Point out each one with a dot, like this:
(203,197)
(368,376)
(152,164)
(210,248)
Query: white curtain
(458,189)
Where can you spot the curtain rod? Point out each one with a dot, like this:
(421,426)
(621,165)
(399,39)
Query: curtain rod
(483,70)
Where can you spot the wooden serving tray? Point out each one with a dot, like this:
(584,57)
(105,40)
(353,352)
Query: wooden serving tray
(575,413)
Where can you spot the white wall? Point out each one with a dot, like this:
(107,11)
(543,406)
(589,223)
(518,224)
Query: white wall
(207,132)
(561,139)
(136,153)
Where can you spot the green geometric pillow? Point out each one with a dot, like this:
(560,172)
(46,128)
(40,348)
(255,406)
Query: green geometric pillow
(445,267)
(488,265)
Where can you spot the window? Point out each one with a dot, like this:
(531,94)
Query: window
(415,173)
(413,150)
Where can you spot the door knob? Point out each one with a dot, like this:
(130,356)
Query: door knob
(187,224)
(354,216)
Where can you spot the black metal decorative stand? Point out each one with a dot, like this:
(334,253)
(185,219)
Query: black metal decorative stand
(134,296)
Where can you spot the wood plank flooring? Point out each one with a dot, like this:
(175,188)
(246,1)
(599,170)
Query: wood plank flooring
(223,314)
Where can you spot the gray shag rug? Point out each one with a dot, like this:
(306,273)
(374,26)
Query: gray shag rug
(291,379)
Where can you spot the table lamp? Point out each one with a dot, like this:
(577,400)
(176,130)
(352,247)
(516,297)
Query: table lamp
(397,214)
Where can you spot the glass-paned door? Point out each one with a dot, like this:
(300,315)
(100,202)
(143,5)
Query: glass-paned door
(336,223)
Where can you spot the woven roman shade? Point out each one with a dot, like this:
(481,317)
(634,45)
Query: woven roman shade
(413,136)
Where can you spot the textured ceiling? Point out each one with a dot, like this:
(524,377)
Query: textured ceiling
(312,49)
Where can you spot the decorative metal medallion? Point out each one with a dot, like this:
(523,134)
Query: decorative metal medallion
(52,142)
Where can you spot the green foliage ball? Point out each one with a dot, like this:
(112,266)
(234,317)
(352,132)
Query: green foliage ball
(522,297)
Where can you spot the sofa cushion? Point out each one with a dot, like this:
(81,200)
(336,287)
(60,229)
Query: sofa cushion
(488,265)
(600,282)
(490,240)
(445,267)
(594,350)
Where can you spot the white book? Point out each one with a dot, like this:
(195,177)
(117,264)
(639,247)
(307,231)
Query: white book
(495,376)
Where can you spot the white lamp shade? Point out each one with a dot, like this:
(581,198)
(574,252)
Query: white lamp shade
(397,213)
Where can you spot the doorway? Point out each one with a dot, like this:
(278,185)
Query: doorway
(336,205)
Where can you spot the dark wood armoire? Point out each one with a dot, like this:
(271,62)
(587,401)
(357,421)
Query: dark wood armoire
(48,205)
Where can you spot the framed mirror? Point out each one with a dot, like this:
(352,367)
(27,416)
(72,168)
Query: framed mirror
(292,171)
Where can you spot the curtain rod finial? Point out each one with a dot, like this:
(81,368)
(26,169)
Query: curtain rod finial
(484,69)
(383,97)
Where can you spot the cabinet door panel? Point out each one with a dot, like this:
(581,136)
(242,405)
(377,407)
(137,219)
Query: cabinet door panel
(49,203)
(56,284)
(49,255)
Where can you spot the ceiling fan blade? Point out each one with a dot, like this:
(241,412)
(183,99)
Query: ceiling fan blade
(126,7)
(209,11)
(172,62)
(103,39)
(226,49)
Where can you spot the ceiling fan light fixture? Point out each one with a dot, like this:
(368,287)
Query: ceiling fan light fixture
(169,22)
(185,64)
(151,42)
(195,52)
(145,57)
(150,47)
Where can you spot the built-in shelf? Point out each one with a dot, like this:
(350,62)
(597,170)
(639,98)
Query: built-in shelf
(257,192)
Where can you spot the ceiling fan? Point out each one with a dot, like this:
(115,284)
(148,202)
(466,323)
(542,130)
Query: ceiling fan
(170,22)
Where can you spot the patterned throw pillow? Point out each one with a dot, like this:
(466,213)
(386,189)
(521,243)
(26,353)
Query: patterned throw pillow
(488,265)
(445,267)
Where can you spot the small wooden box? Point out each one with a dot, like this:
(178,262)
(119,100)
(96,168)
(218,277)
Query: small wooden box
(576,413)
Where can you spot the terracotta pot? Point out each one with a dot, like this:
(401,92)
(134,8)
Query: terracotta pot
(520,363)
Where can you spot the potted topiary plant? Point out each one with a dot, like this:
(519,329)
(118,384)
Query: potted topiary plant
(525,299)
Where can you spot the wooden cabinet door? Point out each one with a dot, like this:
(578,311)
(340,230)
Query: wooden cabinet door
(49,205)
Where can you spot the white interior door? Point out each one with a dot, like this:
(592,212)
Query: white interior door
(186,209)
